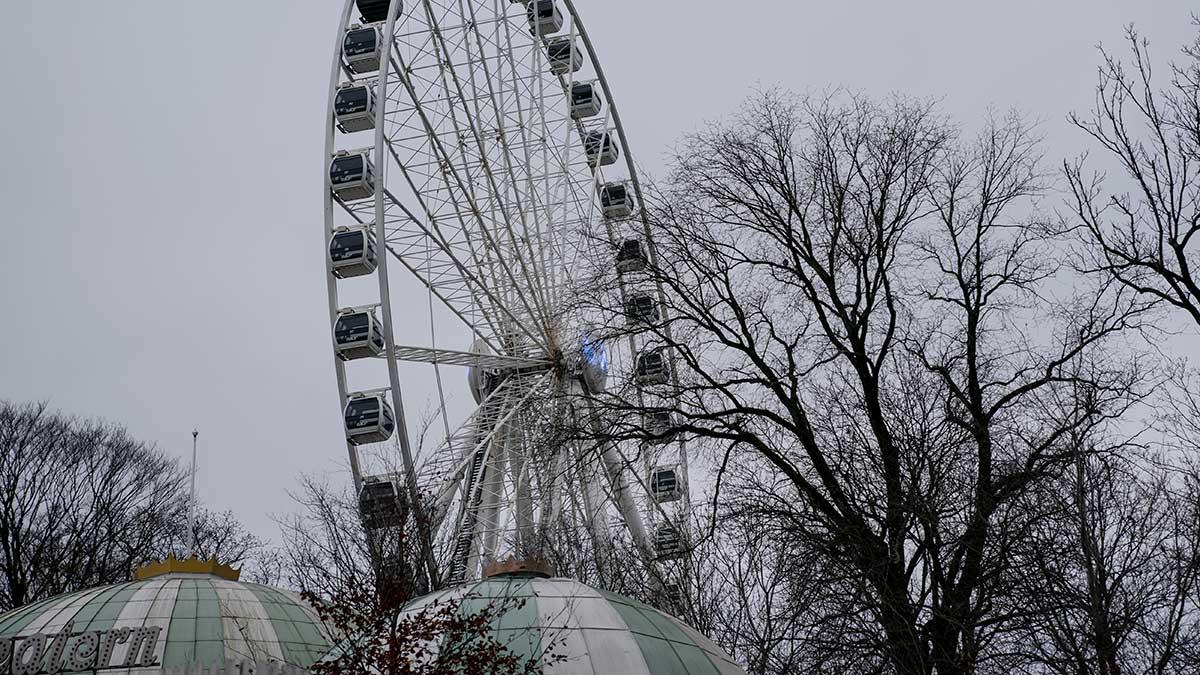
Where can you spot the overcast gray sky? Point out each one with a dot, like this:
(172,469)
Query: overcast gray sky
(162,259)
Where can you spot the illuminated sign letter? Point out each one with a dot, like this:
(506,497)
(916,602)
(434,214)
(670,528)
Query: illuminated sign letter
(111,639)
(141,646)
(27,657)
(52,661)
(83,652)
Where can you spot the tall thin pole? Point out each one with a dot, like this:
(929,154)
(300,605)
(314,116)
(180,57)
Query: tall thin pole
(191,531)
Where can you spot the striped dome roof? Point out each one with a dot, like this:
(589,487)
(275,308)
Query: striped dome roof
(599,633)
(204,620)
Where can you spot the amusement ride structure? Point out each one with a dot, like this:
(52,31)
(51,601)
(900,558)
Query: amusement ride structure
(475,145)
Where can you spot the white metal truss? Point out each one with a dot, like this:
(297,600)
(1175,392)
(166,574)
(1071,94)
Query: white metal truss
(471,359)
(485,194)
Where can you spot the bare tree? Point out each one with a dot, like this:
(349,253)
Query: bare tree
(869,309)
(328,549)
(324,548)
(775,607)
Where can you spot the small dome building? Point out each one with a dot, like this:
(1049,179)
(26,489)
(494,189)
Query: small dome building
(596,632)
(178,616)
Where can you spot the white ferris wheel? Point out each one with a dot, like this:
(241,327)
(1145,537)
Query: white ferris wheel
(474,146)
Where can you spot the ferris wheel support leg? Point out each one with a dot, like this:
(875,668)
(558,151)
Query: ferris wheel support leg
(551,485)
(593,499)
(596,495)
(483,546)
(525,529)
(552,504)
(615,467)
(623,496)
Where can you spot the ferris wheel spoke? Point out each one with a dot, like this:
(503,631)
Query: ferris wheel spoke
(448,245)
(574,187)
(453,284)
(425,178)
(538,241)
(471,359)
(533,88)
(508,144)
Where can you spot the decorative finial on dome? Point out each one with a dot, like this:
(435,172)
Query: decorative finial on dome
(535,567)
(189,565)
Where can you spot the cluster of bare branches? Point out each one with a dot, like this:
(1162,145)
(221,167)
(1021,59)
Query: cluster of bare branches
(325,550)
(442,637)
(81,502)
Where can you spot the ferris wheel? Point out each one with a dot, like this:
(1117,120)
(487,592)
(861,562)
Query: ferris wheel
(474,147)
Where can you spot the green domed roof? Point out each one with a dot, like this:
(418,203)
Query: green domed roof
(202,619)
(598,632)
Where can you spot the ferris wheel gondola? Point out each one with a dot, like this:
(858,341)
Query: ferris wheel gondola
(585,100)
(354,108)
(563,55)
(352,176)
(600,147)
(368,418)
(358,334)
(616,200)
(496,167)
(353,251)
(362,48)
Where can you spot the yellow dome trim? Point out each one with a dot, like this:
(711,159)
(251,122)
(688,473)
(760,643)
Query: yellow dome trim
(192,565)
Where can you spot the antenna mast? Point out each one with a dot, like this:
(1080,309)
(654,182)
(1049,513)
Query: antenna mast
(191,531)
